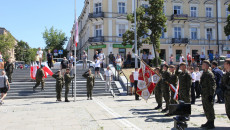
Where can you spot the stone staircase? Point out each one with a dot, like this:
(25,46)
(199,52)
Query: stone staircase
(22,86)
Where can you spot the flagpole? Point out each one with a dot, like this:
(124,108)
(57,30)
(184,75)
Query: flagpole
(75,53)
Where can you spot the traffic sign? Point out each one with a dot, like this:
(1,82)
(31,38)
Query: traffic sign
(55,51)
(60,52)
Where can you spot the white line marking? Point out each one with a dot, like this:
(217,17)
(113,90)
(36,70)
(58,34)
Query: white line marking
(116,115)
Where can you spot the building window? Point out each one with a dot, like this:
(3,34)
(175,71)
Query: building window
(98,8)
(227,12)
(98,30)
(209,33)
(208,12)
(162,33)
(177,32)
(193,12)
(121,29)
(121,6)
(162,54)
(193,33)
(177,9)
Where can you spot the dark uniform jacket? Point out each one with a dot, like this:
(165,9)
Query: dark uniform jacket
(68,78)
(90,79)
(9,67)
(208,84)
(59,80)
(40,74)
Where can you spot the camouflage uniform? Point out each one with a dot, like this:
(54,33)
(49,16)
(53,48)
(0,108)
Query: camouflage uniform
(9,67)
(90,83)
(208,86)
(59,85)
(226,87)
(40,78)
(173,80)
(185,82)
(158,94)
(68,80)
(165,86)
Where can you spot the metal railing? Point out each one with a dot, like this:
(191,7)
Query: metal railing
(179,17)
(96,39)
(96,15)
(180,40)
(121,72)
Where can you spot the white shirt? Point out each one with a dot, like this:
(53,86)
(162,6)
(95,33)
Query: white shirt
(108,73)
(84,57)
(198,75)
(202,56)
(135,75)
(150,57)
(193,77)
(71,59)
(102,56)
(118,61)
(97,63)
(40,53)
(181,59)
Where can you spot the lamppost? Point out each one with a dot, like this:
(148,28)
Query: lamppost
(135,22)
(217,28)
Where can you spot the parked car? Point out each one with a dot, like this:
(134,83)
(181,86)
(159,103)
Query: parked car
(90,64)
(222,59)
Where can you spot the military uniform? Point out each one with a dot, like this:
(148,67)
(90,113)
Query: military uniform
(208,86)
(9,67)
(173,80)
(158,95)
(226,87)
(68,80)
(59,85)
(165,87)
(185,82)
(40,78)
(90,83)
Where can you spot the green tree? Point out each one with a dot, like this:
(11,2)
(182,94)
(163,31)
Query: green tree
(22,52)
(151,20)
(54,39)
(7,42)
(227,27)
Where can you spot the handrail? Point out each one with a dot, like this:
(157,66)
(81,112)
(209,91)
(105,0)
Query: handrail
(121,72)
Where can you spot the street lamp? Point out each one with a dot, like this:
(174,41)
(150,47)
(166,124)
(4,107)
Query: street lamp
(217,28)
(135,22)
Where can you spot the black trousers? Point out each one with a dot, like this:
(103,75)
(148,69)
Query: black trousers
(197,89)
(50,63)
(136,95)
(193,97)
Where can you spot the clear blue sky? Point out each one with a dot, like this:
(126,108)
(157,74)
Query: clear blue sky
(27,19)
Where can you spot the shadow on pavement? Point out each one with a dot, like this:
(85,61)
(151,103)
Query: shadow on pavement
(123,100)
(119,118)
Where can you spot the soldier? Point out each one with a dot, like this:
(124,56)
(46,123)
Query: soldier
(59,84)
(164,86)
(9,67)
(68,80)
(208,86)
(225,84)
(185,82)
(40,78)
(90,83)
(173,80)
(158,92)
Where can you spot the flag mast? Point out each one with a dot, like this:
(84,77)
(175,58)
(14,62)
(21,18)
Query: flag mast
(75,53)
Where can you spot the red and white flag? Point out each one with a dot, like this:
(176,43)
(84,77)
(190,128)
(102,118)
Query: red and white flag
(175,90)
(76,33)
(31,70)
(47,71)
(147,81)
(35,68)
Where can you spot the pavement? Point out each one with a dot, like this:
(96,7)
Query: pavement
(101,113)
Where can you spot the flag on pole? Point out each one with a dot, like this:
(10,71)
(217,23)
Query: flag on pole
(47,70)
(147,81)
(35,68)
(76,32)
(31,70)
(175,90)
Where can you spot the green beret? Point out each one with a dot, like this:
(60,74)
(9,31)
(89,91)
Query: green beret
(183,63)
(207,62)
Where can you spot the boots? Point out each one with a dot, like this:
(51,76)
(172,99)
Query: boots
(158,107)
(204,125)
(208,125)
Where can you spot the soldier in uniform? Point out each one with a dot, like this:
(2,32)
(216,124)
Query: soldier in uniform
(59,84)
(40,78)
(173,80)
(185,82)
(164,86)
(208,86)
(158,92)
(9,67)
(225,84)
(68,80)
(90,83)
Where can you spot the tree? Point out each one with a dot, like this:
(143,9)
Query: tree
(7,42)
(22,52)
(227,27)
(54,39)
(151,20)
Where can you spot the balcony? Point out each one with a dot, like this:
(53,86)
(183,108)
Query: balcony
(179,17)
(96,15)
(96,39)
(180,41)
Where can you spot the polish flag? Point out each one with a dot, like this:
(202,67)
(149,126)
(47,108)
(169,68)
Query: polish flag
(35,68)
(147,80)
(76,33)
(47,71)
(175,90)
(31,70)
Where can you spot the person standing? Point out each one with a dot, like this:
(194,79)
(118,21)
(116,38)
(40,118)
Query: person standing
(135,75)
(71,61)
(84,58)
(158,91)
(118,63)
(37,59)
(165,87)
(202,57)
(40,78)
(193,95)
(217,56)
(208,84)
(197,83)
(90,83)
(108,77)
(49,58)
(225,84)
(128,60)
(95,56)
(9,68)
(4,86)
(131,78)
(218,75)
(181,59)
(145,57)
(102,58)
(40,54)
(150,59)
(64,65)
(171,59)
(111,58)
(59,84)
(185,82)
(197,58)
(68,80)
(189,59)
(210,57)
(173,80)
(97,67)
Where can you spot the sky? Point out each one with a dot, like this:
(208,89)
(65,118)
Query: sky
(27,19)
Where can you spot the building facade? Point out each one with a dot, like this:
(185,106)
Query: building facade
(191,27)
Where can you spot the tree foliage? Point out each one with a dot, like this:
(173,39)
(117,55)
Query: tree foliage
(7,42)
(227,27)
(22,52)
(151,20)
(54,39)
